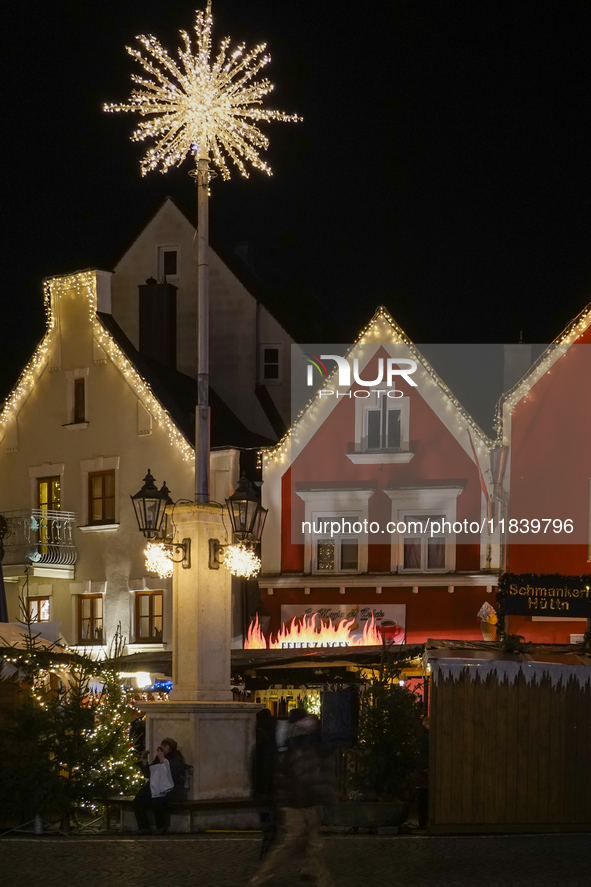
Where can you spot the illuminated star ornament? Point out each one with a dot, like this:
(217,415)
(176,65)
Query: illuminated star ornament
(199,107)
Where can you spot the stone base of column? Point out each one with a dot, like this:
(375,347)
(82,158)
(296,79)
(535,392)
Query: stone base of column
(216,738)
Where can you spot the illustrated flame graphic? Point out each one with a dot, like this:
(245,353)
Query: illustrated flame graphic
(304,632)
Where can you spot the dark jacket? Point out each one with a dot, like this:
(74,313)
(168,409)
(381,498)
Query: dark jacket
(177,771)
(303,779)
(263,761)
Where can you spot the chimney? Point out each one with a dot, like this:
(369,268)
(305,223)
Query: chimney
(158,321)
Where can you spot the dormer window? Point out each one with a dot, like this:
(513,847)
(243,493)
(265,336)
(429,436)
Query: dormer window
(168,262)
(382,428)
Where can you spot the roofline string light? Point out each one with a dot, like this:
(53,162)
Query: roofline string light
(84,282)
(375,327)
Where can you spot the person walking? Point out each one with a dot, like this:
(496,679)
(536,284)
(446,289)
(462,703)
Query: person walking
(263,781)
(166,783)
(302,786)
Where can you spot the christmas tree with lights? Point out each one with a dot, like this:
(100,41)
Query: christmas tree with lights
(65,746)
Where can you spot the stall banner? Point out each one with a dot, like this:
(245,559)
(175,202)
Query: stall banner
(528,594)
(389,619)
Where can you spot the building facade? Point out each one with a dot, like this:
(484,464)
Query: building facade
(371,498)
(249,348)
(546,483)
(88,417)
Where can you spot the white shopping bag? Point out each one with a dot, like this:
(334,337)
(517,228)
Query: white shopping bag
(161,780)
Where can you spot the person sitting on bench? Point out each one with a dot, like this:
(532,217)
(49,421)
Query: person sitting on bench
(166,775)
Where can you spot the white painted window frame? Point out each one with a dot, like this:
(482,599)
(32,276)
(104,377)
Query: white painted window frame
(167,248)
(338,504)
(365,405)
(422,503)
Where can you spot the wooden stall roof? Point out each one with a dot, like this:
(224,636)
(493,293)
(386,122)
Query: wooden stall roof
(562,654)
(363,656)
(247,660)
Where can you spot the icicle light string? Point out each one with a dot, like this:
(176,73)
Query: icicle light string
(381,330)
(533,672)
(541,367)
(84,285)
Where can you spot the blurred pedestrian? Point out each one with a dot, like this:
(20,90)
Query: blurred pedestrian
(302,786)
(166,775)
(264,777)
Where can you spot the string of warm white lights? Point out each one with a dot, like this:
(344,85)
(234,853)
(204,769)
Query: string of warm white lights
(241,561)
(382,329)
(84,286)
(199,106)
(31,372)
(159,559)
(541,367)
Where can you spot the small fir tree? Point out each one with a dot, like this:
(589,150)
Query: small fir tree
(389,722)
(66,745)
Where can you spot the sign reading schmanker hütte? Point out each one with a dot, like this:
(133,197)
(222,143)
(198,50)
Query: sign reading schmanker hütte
(523,594)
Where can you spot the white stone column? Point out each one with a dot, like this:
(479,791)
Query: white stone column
(201,612)
(215,735)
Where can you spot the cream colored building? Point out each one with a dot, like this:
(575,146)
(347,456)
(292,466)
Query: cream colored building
(249,349)
(87,418)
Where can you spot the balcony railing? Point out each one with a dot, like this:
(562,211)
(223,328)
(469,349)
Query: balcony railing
(40,536)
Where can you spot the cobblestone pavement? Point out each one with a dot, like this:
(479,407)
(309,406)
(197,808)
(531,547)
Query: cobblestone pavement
(355,860)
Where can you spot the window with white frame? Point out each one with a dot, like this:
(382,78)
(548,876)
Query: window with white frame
(423,518)
(334,531)
(423,549)
(335,545)
(382,428)
(271,363)
(168,262)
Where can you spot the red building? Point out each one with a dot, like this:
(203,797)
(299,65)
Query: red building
(378,504)
(546,428)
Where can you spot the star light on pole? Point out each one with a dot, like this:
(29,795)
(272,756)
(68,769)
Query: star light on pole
(207,109)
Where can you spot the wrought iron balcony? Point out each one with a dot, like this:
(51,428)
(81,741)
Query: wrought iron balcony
(40,537)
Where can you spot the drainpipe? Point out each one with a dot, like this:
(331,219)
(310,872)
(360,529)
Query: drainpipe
(498,464)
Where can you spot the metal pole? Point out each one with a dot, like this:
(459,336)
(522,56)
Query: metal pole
(202,409)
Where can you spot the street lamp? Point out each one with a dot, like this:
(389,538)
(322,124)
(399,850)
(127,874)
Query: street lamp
(247,516)
(150,505)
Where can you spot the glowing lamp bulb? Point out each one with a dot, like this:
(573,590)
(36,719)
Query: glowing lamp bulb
(241,561)
(158,560)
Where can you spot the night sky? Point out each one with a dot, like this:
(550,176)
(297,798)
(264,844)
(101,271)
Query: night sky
(442,168)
